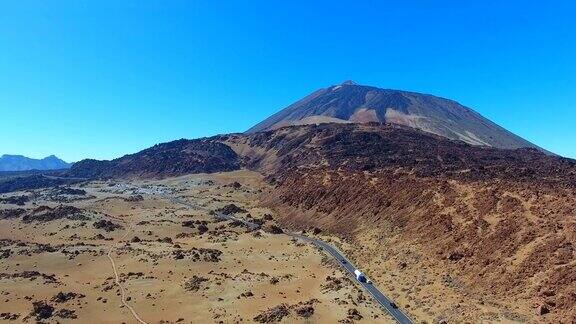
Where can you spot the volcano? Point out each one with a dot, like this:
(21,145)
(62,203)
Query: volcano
(350,102)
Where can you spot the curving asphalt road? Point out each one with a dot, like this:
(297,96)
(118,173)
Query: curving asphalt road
(384,301)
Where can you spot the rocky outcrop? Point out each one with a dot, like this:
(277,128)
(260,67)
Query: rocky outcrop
(164,160)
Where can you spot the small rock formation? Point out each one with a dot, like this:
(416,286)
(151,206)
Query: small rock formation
(194,284)
(231,209)
(273,315)
(106,225)
(354,314)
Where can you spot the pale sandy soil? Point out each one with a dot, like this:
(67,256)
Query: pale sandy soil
(242,274)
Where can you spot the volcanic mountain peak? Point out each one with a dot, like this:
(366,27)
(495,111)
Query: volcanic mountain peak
(353,103)
(349,82)
(21,163)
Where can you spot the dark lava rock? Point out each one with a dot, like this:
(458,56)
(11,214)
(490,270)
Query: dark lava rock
(66,313)
(188,224)
(4,254)
(231,209)
(165,240)
(70,191)
(194,284)
(134,198)
(273,315)
(11,213)
(31,275)
(15,200)
(455,256)
(163,160)
(178,254)
(62,297)
(305,311)
(354,314)
(202,228)
(543,310)
(47,214)
(41,310)
(9,316)
(274,229)
(106,225)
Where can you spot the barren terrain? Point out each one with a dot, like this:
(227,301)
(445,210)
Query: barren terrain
(175,263)
(453,232)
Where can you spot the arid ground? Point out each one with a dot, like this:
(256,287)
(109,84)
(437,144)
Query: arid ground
(174,262)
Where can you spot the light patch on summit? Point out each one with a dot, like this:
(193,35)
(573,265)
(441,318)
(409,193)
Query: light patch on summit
(310,120)
(364,115)
(320,120)
(400,118)
(336,88)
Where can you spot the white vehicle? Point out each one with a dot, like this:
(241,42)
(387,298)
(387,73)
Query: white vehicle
(359,275)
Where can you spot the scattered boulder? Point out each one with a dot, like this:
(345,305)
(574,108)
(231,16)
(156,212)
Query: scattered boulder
(543,309)
(188,224)
(62,297)
(106,225)
(231,209)
(66,313)
(354,314)
(9,316)
(4,254)
(305,311)
(47,214)
(273,229)
(42,310)
(11,213)
(202,228)
(455,256)
(273,315)
(31,275)
(15,200)
(178,254)
(134,198)
(69,191)
(165,240)
(194,284)
(333,284)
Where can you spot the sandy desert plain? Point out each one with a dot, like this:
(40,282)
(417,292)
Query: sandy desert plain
(174,263)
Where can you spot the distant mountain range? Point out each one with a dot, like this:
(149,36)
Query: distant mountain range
(22,163)
(353,103)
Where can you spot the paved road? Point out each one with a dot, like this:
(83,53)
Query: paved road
(369,287)
(379,296)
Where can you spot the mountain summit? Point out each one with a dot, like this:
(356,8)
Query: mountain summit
(352,103)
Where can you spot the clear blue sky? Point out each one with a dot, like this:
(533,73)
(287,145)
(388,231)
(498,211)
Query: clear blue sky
(100,79)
